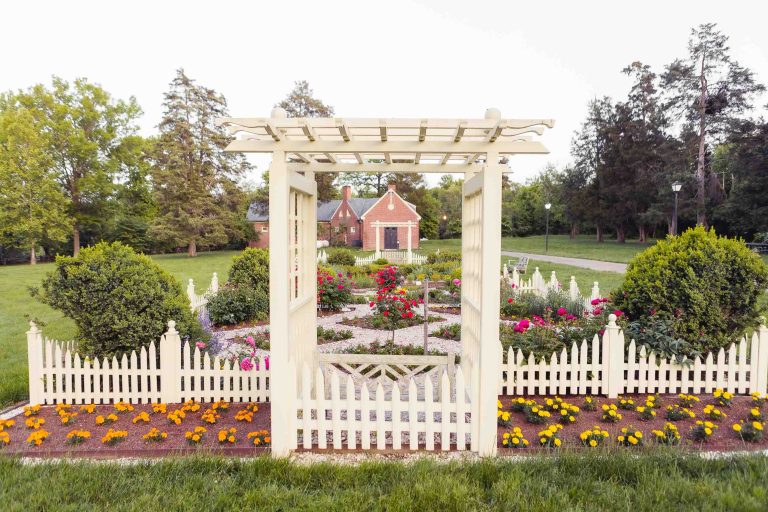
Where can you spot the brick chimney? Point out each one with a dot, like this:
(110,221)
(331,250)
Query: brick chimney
(392,187)
(346,192)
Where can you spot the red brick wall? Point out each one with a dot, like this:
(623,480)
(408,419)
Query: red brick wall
(263,241)
(345,222)
(400,212)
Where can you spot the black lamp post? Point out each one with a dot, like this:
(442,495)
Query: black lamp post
(546,236)
(676,186)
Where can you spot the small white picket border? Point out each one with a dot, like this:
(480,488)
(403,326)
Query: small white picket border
(180,373)
(612,370)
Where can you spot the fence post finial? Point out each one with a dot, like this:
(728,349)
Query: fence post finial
(215,283)
(35,363)
(613,358)
(172,327)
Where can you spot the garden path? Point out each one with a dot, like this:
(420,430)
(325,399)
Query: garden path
(605,266)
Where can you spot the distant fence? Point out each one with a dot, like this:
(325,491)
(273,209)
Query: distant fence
(540,286)
(171,372)
(394,256)
(611,369)
(197,302)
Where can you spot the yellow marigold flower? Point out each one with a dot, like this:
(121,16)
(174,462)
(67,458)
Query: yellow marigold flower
(632,440)
(558,442)
(737,427)
(757,425)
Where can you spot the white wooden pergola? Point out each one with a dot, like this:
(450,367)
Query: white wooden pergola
(301,147)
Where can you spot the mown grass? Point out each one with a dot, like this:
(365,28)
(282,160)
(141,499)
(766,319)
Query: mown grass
(654,482)
(17,307)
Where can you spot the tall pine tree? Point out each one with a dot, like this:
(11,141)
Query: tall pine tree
(709,91)
(195,181)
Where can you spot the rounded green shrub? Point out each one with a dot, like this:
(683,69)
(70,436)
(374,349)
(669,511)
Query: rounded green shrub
(341,257)
(251,269)
(444,256)
(235,304)
(119,300)
(709,285)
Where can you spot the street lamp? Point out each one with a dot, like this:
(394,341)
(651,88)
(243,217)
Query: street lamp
(676,186)
(546,236)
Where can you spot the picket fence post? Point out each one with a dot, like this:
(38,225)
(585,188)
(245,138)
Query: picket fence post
(613,358)
(573,290)
(595,292)
(35,362)
(170,365)
(215,283)
(762,357)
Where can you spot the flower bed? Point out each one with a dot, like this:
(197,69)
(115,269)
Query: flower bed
(722,435)
(135,438)
(376,322)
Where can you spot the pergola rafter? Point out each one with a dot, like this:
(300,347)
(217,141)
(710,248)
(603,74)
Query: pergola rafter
(301,147)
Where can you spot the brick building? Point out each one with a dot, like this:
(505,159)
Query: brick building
(353,221)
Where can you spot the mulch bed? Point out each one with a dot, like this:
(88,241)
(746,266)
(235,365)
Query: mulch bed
(241,325)
(722,439)
(447,310)
(134,445)
(365,322)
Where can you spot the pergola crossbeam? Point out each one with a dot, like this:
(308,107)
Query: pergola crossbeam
(377,147)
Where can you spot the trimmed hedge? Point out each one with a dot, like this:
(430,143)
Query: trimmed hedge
(233,305)
(251,269)
(341,257)
(709,285)
(119,300)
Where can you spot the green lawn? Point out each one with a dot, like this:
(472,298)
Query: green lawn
(618,481)
(17,307)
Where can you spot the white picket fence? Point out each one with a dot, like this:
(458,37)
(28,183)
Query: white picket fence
(343,411)
(198,302)
(322,257)
(612,370)
(540,286)
(393,256)
(180,373)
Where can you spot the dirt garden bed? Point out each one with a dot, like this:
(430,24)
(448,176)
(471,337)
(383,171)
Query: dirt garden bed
(55,444)
(446,310)
(722,439)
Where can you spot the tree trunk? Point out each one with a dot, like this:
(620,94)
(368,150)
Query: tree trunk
(192,248)
(32,258)
(621,235)
(75,240)
(701,189)
(641,233)
(574,231)
(599,234)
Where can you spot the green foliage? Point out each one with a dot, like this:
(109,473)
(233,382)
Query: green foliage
(32,205)
(381,261)
(235,304)
(251,269)
(448,332)
(443,257)
(118,299)
(657,332)
(341,257)
(330,335)
(391,349)
(710,285)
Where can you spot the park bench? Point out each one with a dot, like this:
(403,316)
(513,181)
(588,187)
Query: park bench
(522,264)
(759,248)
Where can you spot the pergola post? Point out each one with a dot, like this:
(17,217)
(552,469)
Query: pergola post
(282,399)
(490,346)
(409,257)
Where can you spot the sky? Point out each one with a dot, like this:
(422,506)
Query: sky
(448,59)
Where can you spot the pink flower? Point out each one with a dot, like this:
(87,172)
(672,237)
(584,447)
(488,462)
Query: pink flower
(340,287)
(570,317)
(618,312)
(562,311)
(524,323)
(266,362)
(597,311)
(200,345)
(604,299)
(595,302)
(246,365)
(601,332)
(371,304)
(457,282)
(510,301)
(249,340)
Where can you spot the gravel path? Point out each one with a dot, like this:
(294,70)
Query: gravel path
(604,266)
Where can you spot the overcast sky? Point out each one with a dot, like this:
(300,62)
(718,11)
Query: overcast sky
(372,59)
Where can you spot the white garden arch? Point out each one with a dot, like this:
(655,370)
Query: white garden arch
(301,147)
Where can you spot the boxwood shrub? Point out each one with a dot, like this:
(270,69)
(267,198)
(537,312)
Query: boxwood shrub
(251,269)
(235,304)
(341,257)
(119,300)
(709,285)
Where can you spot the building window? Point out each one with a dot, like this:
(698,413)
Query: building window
(337,229)
(347,213)
(352,229)
(264,229)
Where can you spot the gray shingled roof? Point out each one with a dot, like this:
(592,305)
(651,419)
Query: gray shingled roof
(259,212)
